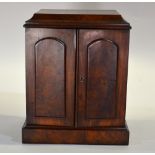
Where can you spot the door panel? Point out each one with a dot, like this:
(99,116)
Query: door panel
(50,57)
(50,78)
(102,77)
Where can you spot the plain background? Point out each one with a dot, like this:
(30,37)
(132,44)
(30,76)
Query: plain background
(140,113)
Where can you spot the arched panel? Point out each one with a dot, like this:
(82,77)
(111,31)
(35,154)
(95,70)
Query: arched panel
(50,78)
(101,79)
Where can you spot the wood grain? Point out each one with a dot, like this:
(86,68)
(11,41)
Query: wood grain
(76,77)
(101,79)
(113,77)
(47,135)
(50,78)
(50,70)
(97,19)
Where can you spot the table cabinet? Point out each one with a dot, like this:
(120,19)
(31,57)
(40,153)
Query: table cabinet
(76,77)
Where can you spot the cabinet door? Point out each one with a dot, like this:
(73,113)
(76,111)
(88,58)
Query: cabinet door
(102,77)
(50,71)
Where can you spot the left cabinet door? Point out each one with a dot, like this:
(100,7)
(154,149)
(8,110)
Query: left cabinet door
(50,76)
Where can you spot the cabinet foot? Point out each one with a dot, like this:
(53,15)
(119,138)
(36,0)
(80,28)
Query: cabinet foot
(51,135)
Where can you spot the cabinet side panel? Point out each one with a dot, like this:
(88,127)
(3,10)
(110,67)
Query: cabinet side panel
(50,78)
(101,79)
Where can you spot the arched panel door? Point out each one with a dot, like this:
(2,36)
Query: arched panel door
(101,79)
(97,91)
(52,78)
(50,54)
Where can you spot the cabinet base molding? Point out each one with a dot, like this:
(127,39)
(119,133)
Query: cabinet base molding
(50,135)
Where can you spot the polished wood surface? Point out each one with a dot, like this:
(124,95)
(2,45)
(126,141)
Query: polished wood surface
(76,77)
(50,70)
(102,94)
(107,19)
(50,81)
(48,135)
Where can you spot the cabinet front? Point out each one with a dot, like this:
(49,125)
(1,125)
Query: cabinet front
(102,77)
(50,55)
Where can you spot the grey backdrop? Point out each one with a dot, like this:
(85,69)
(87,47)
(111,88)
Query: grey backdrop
(141,83)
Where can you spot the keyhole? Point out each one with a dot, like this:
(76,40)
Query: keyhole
(82,78)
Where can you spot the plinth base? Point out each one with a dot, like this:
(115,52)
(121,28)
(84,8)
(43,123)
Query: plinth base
(51,135)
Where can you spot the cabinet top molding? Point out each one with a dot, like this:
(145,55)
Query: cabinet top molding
(106,19)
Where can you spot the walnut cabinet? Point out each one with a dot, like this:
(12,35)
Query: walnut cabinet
(76,77)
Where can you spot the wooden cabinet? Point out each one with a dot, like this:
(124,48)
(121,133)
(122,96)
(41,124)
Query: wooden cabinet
(76,77)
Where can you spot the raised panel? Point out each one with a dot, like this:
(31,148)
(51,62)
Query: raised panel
(50,78)
(101,79)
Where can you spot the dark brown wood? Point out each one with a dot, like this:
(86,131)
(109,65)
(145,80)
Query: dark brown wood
(48,135)
(50,70)
(50,78)
(76,77)
(103,64)
(107,19)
